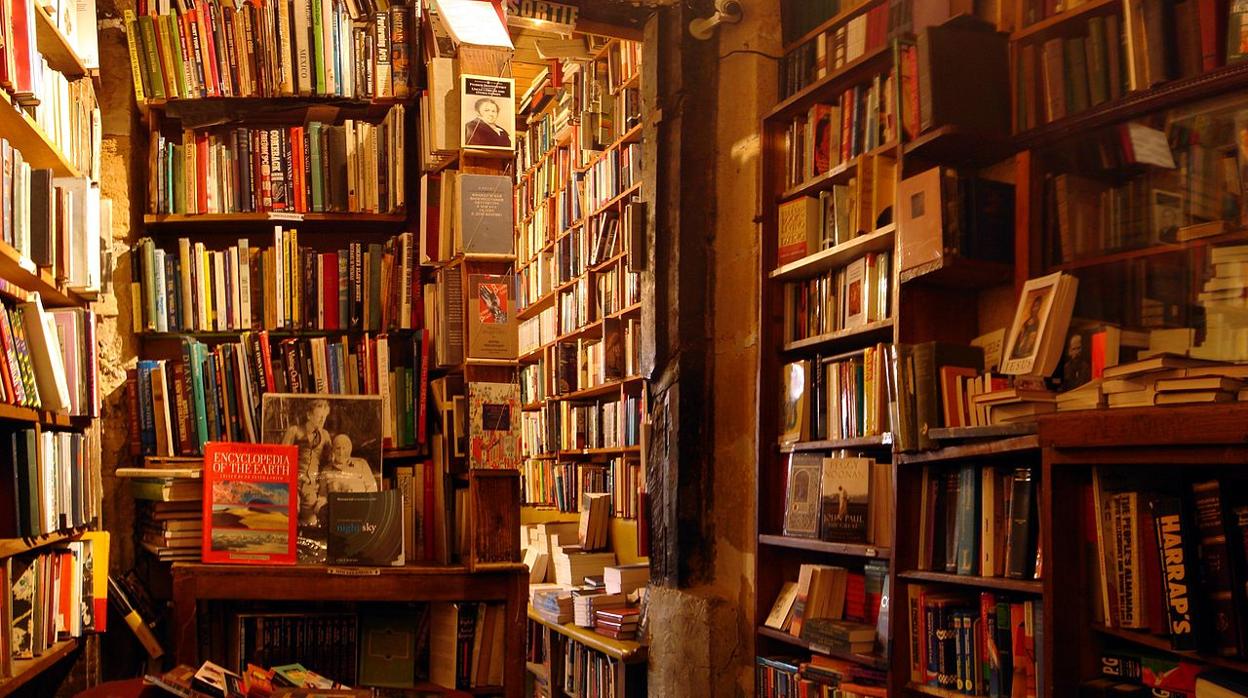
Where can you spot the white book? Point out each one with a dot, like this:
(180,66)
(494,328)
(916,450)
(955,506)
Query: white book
(162,302)
(244,283)
(47,455)
(279,281)
(383,387)
(287,84)
(304,82)
(45,356)
(327,39)
(346,72)
(199,287)
(235,289)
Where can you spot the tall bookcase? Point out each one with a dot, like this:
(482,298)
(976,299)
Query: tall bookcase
(578,206)
(34,132)
(477,532)
(956,298)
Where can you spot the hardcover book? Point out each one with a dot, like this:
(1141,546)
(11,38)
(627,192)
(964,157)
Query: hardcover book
(483,214)
(494,425)
(799,230)
(492,330)
(366,528)
(339,441)
(845,499)
(249,503)
(801,506)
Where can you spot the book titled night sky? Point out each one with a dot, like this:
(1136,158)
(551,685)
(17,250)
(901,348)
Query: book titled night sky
(366,528)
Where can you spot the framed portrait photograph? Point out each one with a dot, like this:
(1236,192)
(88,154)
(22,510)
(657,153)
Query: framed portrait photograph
(1035,343)
(339,440)
(801,500)
(487,111)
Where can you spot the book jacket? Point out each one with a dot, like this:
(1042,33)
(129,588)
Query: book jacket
(494,425)
(366,528)
(249,500)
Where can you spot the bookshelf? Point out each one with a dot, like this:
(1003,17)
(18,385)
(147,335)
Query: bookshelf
(579,198)
(1158,454)
(304,189)
(47,134)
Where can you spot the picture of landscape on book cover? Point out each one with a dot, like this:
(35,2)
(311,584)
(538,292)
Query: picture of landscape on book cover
(249,499)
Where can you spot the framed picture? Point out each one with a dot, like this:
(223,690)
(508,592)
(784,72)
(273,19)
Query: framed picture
(339,440)
(801,501)
(1031,319)
(487,110)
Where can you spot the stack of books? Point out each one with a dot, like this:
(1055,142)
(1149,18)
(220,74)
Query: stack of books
(169,509)
(618,623)
(587,602)
(1018,404)
(553,604)
(1168,379)
(573,565)
(1225,301)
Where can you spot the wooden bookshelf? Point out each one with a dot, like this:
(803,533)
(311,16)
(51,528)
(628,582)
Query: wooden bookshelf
(1021,586)
(824,546)
(1162,645)
(785,638)
(27,670)
(55,48)
(833,341)
(880,441)
(877,59)
(27,136)
(228,223)
(879,240)
(831,23)
(624,650)
(1048,25)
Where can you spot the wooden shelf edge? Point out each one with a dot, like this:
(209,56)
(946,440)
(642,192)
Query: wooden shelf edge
(1020,586)
(1061,18)
(978,449)
(869,660)
(627,651)
(1161,644)
(877,240)
(840,335)
(162,219)
(55,47)
(822,546)
(25,670)
(16,546)
(879,441)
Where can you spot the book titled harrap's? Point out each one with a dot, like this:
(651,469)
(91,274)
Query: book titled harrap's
(249,503)
(366,528)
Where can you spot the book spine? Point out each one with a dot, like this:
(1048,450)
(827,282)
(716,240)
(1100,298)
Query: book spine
(1174,537)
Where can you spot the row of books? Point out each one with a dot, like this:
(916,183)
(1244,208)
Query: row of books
(618,170)
(1068,75)
(836,399)
(214,394)
(561,485)
(324,642)
(48,358)
(487,330)
(355,166)
(170,530)
(23,66)
(465,213)
(832,135)
(1148,529)
(53,596)
(821,677)
(466,643)
(587,247)
(846,500)
(370,287)
(55,222)
(841,299)
(974,219)
(69,116)
(53,485)
(574,365)
(845,43)
(568,426)
(832,607)
(256,49)
(988,644)
(980,521)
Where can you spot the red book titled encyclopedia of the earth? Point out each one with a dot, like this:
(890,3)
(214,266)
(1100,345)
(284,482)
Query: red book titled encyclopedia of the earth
(249,503)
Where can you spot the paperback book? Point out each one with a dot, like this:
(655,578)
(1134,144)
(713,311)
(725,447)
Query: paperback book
(249,503)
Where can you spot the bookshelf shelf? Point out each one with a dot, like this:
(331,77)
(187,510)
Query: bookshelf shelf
(228,222)
(22,272)
(536,306)
(611,203)
(1144,252)
(1049,24)
(24,670)
(402,453)
(841,174)
(16,546)
(599,451)
(225,335)
(879,329)
(599,390)
(55,48)
(1220,81)
(831,23)
(978,449)
(994,431)
(932,691)
(532,355)
(608,263)
(16,413)
(583,331)
(880,240)
(857,69)
(533,406)
(825,546)
(268,106)
(625,312)
(878,441)
(1161,644)
(781,636)
(1021,586)
(26,135)
(959,272)
(953,145)
(623,650)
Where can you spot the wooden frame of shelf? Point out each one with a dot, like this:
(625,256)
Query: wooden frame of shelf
(26,670)
(194,583)
(229,222)
(873,661)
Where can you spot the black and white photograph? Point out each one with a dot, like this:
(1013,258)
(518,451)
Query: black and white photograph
(488,111)
(340,443)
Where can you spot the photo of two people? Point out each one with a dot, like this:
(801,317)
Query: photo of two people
(339,440)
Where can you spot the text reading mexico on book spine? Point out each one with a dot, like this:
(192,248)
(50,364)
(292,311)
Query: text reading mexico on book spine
(249,498)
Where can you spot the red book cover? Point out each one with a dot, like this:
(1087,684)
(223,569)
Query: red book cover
(1098,354)
(1211,16)
(329,289)
(266,355)
(296,166)
(249,503)
(201,174)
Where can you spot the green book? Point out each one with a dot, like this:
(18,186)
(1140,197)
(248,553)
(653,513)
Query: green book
(318,189)
(968,520)
(166,57)
(318,48)
(193,353)
(149,284)
(155,74)
(388,646)
(175,48)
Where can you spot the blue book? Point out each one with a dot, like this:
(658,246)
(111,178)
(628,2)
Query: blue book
(147,419)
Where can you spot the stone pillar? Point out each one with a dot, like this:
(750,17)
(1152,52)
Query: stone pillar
(706,100)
